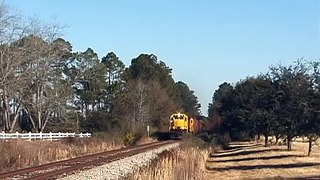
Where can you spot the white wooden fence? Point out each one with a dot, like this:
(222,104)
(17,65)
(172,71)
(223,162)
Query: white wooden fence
(33,136)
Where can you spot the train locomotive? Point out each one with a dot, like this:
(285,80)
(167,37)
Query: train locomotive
(180,123)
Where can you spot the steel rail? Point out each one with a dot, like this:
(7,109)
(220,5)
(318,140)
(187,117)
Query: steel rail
(80,162)
(98,162)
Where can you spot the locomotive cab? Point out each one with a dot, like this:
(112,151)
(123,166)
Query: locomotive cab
(178,122)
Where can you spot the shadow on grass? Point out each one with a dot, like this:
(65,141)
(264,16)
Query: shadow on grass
(239,147)
(242,153)
(278,166)
(255,158)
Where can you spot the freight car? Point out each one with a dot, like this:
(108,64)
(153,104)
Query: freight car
(180,123)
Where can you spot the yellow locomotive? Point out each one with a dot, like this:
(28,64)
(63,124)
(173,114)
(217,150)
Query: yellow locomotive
(180,123)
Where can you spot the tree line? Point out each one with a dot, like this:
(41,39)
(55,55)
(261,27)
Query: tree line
(284,103)
(46,86)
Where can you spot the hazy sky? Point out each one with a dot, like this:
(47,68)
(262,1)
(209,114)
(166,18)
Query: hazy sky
(206,42)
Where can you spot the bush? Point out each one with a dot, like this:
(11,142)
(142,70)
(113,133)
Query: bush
(220,140)
(240,136)
(131,138)
(214,139)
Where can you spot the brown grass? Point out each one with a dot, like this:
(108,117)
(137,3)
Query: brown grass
(146,140)
(252,161)
(175,165)
(16,154)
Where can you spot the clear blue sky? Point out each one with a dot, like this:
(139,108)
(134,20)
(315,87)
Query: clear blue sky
(206,42)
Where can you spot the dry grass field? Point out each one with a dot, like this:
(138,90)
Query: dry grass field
(254,161)
(180,164)
(16,154)
(243,160)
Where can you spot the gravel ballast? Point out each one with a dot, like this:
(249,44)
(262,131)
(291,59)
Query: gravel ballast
(120,168)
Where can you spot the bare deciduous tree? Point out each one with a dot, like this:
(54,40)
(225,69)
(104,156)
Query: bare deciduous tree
(45,90)
(148,103)
(139,105)
(28,59)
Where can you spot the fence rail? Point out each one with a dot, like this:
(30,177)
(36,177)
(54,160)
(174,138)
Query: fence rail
(49,136)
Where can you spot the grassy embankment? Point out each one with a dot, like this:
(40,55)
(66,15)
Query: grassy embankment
(16,154)
(186,162)
(243,160)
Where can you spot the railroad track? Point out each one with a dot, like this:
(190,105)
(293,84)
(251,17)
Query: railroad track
(65,167)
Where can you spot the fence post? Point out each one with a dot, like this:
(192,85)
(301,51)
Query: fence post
(30,136)
(17,134)
(81,135)
(59,135)
(50,136)
(40,135)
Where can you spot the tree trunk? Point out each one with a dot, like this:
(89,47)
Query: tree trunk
(289,139)
(17,113)
(31,119)
(15,120)
(39,108)
(277,138)
(265,140)
(7,120)
(86,110)
(310,145)
(6,113)
(46,121)
(39,121)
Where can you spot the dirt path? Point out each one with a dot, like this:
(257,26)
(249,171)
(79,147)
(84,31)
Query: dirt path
(253,161)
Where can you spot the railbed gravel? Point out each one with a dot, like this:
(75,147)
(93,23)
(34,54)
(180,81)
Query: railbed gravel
(120,168)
